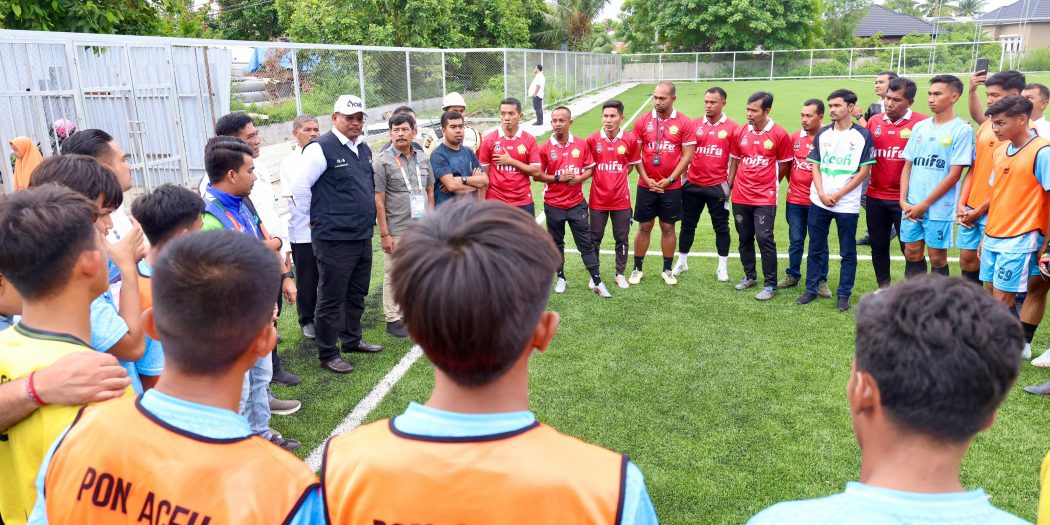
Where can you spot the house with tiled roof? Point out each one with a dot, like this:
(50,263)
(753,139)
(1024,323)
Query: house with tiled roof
(1025,20)
(891,25)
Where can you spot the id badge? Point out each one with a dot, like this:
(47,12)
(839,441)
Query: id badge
(418,202)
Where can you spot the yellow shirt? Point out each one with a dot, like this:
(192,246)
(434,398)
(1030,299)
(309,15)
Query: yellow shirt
(1044,492)
(23,446)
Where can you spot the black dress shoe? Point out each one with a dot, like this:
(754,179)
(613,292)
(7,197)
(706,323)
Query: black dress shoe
(363,347)
(286,378)
(864,241)
(396,329)
(337,365)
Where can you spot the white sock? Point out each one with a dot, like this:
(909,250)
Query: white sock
(683,258)
(723,260)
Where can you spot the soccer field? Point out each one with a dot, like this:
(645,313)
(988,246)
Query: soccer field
(726,404)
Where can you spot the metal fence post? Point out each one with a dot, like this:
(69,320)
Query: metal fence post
(177,115)
(660,67)
(444,87)
(772,60)
(408,76)
(295,82)
(810,63)
(849,73)
(734,65)
(505,95)
(361,79)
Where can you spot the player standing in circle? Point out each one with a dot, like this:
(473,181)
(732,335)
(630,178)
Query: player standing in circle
(616,153)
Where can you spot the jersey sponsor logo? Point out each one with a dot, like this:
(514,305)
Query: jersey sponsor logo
(521,149)
(613,166)
(664,146)
(768,144)
(934,161)
(575,153)
(756,161)
(565,170)
(712,150)
(110,492)
(673,130)
(889,153)
(620,149)
(722,134)
(803,165)
(839,160)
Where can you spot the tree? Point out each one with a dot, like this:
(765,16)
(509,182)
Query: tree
(935,8)
(840,19)
(248,20)
(969,7)
(137,17)
(701,25)
(570,23)
(906,7)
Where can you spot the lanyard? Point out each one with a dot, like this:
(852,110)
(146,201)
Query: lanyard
(419,176)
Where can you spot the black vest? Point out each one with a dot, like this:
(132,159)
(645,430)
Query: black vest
(342,203)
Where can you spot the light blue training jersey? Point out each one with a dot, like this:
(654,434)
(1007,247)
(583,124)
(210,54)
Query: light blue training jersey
(933,149)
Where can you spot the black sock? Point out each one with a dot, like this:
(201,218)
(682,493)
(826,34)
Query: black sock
(913,268)
(1029,331)
(667,263)
(638,262)
(974,277)
(561,274)
(943,270)
(595,276)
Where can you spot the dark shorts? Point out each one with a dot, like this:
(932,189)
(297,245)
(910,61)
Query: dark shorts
(650,205)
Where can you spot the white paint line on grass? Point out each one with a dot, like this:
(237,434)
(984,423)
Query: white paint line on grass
(540,218)
(898,258)
(366,405)
(627,122)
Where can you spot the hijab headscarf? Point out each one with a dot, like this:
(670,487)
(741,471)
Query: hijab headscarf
(27,159)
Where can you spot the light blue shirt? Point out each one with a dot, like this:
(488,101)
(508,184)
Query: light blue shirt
(7,322)
(862,504)
(207,421)
(107,327)
(152,361)
(425,421)
(933,150)
(1031,241)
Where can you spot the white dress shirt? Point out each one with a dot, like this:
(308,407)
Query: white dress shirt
(312,166)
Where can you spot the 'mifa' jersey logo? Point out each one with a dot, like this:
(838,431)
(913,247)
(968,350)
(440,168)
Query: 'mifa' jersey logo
(889,153)
(756,161)
(611,167)
(905,133)
(712,150)
(768,144)
(723,134)
(621,149)
(932,162)
(521,149)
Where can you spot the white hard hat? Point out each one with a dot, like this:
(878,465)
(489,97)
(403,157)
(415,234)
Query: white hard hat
(453,99)
(349,105)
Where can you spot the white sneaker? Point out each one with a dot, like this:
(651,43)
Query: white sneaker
(636,277)
(559,287)
(1026,354)
(1043,360)
(621,281)
(723,274)
(601,290)
(668,277)
(681,267)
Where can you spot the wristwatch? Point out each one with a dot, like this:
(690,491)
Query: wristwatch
(557,177)
(464,178)
(287,275)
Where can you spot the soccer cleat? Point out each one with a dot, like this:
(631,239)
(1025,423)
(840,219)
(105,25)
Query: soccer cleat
(681,267)
(766,294)
(1039,390)
(601,290)
(1026,354)
(842,304)
(636,277)
(722,273)
(787,282)
(1043,360)
(745,283)
(668,277)
(806,298)
(559,287)
(823,290)
(621,281)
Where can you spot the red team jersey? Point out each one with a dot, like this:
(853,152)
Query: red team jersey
(506,183)
(890,139)
(614,157)
(562,159)
(663,138)
(759,152)
(801,169)
(710,166)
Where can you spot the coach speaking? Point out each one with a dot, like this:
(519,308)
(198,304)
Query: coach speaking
(336,190)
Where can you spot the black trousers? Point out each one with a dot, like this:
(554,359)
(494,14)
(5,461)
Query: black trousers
(577,218)
(694,200)
(344,275)
(621,226)
(274,358)
(756,222)
(537,105)
(305,281)
(882,215)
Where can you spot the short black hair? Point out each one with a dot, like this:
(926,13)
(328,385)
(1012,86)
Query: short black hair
(943,352)
(402,118)
(213,292)
(222,154)
(404,109)
(166,210)
(1009,80)
(765,96)
(511,101)
(952,81)
(721,92)
(563,108)
(615,104)
(907,84)
(890,74)
(1042,89)
(90,142)
(232,123)
(450,115)
(846,95)
(472,323)
(815,102)
(1011,106)
(43,230)
(82,174)
(539,67)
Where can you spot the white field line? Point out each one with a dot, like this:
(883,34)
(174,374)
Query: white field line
(366,405)
(627,122)
(899,258)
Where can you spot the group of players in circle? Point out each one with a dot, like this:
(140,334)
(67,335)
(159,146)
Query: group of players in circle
(918,176)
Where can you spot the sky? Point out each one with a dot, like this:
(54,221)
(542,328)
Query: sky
(612,9)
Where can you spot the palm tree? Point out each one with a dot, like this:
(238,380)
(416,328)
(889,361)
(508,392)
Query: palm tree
(935,8)
(969,7)
(570,22)
(907,7)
